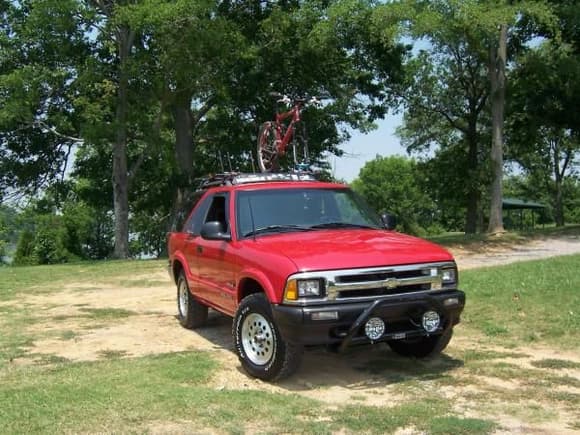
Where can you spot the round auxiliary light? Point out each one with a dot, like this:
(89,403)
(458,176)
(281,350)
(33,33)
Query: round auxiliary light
(431,321)
(374,328)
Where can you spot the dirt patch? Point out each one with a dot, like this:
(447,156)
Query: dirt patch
(141,321)
(466,258)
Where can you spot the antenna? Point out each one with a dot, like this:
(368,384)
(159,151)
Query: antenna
(221,161)
(252,217)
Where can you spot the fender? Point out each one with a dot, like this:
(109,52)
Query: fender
(179,257)
(262,279)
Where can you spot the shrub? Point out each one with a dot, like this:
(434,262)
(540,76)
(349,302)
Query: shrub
(47,245)
(24,255)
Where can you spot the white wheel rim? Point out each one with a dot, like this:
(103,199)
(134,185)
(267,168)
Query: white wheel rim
(258,339)
(183,298)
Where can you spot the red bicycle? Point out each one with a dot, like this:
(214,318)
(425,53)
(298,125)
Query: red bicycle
(275,136)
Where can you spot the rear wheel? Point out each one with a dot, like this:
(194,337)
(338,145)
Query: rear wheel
(267,150)
(301,154)
(261,350)
(192,313)
(422,347)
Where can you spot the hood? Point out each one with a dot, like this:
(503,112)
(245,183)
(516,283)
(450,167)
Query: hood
(337,249)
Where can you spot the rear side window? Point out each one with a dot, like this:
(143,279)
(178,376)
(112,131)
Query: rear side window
(178,222)
(195,221)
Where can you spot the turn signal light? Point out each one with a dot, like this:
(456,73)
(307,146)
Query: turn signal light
(291,292)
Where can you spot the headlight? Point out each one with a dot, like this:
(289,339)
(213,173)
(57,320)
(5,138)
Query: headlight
(308,288)
(449,277)
(303,288)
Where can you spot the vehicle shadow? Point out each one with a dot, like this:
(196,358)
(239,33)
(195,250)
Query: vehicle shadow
(359,367)
(217,330)
(364,367)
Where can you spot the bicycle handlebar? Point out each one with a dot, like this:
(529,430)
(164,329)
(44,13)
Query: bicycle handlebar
(280,98)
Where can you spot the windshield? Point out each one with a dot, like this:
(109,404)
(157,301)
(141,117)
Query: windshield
(284,210)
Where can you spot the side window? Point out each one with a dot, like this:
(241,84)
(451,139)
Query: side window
(218,211)
(195,221)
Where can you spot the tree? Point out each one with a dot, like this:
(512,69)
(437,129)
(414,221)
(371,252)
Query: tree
(392,184)
(486,29)
(8,229)
(3,241)
(292,47)
(497,78)
(544,132)
(174,87)
(446,100)
(41,43)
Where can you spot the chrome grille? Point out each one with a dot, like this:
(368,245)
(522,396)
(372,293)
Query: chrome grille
(379,282)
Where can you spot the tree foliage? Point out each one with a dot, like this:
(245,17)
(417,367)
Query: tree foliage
(394,185)
(454,96)
(150,95)
(544,123)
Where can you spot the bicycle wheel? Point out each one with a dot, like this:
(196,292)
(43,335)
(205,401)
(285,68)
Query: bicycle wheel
(300,149)
(267,151)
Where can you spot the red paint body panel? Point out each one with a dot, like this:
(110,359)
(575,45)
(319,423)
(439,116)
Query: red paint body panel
(348,249)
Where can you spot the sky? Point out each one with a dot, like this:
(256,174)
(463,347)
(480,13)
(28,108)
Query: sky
(364,147)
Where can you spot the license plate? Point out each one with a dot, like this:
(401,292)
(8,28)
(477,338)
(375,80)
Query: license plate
(399,336)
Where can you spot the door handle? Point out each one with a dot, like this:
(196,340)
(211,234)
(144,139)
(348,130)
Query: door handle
(199,249)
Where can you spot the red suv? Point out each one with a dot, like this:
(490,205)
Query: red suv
(298,262)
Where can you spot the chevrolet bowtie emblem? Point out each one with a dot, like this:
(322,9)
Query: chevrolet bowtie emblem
(391,283)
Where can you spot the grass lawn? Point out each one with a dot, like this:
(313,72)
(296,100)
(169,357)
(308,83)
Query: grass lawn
(532,303)
(527,302)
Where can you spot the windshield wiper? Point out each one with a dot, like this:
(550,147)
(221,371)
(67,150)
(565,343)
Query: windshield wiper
(277,229)
(341,225)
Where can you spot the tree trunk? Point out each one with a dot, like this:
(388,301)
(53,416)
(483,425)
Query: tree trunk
(120,176)
(559,206)
(184,157)
(558,176)
(473,192)
(183,137)
(497,63)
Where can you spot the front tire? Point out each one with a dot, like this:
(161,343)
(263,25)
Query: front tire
(267,150)
(422,347)
(260,348)
(191,313)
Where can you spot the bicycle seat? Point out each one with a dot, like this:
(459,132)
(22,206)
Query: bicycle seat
(276,95)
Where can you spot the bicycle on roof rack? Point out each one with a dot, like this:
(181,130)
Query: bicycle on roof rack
(275,136)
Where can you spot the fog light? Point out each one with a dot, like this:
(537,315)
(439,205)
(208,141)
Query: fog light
(451,301)
(374,328)
(431,321)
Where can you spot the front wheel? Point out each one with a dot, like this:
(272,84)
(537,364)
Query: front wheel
(267,149)
(422,347)
(261,350)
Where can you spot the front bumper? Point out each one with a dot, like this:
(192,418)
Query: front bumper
(401,314)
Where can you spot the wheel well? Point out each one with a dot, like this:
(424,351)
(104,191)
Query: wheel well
(176,270)
(247,287)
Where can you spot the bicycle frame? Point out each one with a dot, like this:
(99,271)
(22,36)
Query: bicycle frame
(282,141)
(275,136)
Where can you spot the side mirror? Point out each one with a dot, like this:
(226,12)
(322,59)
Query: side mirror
(389,221)
(213,230)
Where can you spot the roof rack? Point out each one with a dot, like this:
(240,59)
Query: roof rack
(235,178)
